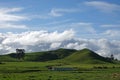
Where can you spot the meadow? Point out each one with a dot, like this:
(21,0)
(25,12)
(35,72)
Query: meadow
(39,71)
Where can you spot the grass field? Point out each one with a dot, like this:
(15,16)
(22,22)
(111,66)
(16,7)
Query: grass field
(38,71)
(85,65)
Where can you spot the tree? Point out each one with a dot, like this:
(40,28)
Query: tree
(112,57)
(20,53)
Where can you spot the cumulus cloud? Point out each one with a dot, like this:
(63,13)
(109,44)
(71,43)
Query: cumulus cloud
(103,47)
(103,6)
(112,33)
(34,40)
(43,40)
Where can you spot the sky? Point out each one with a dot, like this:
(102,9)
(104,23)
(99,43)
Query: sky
(40,25)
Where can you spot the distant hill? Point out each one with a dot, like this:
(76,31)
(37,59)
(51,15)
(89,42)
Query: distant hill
(49,55)
(40,56)
(65,55)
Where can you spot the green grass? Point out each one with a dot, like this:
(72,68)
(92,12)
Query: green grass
(7,58)
(38,71)
(88,65)
(86,56)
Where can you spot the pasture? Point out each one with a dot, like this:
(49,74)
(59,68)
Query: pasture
(39,71)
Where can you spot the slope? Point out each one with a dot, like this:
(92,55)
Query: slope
(40,56)
(87,56)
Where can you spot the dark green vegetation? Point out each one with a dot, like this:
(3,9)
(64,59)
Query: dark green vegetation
(87,64)
(40,56)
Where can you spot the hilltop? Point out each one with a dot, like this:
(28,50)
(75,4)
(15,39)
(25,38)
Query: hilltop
(87,56)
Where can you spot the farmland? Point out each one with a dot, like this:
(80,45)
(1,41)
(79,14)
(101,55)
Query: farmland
(66,64)
(38,71)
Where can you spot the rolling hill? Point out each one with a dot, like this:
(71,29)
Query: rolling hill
(65,55)
(87,56)
(40,56)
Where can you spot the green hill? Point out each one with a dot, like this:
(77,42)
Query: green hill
(40,56)
(65,55)
(49,55)
(87,56)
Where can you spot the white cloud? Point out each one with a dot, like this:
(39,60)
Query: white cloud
(84,26)
(101,46)
(79,27)
(10,25)
(6,14)
(42,40)
(111,26)
(34,40)
(9,18)
(53,12)
(58,22)
(57,12)
(40,16)
(112,33)
(55,45)
(103,6)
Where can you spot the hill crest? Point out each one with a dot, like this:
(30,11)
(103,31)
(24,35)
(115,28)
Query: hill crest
(87,56)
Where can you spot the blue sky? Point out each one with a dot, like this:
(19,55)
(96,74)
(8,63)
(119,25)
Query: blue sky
(85,17)
(39,25)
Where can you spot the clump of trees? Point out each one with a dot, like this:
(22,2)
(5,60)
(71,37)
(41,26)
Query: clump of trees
(20,53)
(112,57)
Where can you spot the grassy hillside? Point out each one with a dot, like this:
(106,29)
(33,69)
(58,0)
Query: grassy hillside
(40,56)
(86,56)
(61,55)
